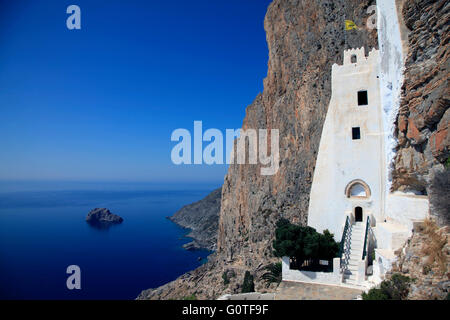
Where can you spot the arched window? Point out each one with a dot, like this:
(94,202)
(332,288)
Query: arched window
(357,189)
(353,58)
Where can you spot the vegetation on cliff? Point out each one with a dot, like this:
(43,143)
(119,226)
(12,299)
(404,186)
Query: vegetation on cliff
(274,273)
(303,243)
(396,288)
(439,197)
(248,285)
(425,259)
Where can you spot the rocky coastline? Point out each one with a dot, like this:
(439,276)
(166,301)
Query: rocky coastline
(201,218)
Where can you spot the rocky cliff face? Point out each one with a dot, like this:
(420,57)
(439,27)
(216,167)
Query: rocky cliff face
(202,218)
(424,144)
(424,115)
(305,38)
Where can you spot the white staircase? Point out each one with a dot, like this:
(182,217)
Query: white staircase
(356,251)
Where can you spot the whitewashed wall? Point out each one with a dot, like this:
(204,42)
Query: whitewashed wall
(312,277)
(407,208)
(341,159)
(391,74)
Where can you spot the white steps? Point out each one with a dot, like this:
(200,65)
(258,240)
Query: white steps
(356,250)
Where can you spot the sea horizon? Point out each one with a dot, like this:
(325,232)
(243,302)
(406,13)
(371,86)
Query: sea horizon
(44,231)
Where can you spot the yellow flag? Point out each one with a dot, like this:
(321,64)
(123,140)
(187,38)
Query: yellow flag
(350,25)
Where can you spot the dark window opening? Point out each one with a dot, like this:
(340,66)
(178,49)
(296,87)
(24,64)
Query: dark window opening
(358,214)
(356,133)
(353,59)
(362,98)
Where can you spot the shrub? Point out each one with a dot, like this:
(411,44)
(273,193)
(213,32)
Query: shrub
(375,294)
(191,297)
(248,285)
(226,281)
(303,243)
(439,197)
(434,248)
(397,288)
(273,274)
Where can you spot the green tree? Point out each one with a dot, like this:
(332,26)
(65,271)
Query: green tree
(248,285)
(226,281)
(328,248)
(397,288)
(303,243)
(273,274)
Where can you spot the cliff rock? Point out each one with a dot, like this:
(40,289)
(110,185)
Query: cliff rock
(424,115)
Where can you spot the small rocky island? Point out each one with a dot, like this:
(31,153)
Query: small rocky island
(102,217)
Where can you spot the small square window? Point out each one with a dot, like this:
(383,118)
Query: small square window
(362,98)
(356,133)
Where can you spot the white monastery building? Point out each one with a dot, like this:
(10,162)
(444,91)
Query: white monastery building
(350,191)
(349,172)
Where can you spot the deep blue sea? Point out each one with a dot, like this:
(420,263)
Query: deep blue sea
(43,232)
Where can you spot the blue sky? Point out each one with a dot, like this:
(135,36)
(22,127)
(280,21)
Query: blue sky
(100,103)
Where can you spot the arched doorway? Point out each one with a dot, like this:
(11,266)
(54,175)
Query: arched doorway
(358,214)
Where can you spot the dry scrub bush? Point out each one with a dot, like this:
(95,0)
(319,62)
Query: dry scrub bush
(434,247)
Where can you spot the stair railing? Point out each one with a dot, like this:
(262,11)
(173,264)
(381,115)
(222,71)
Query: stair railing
(344,250)
(366,238)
